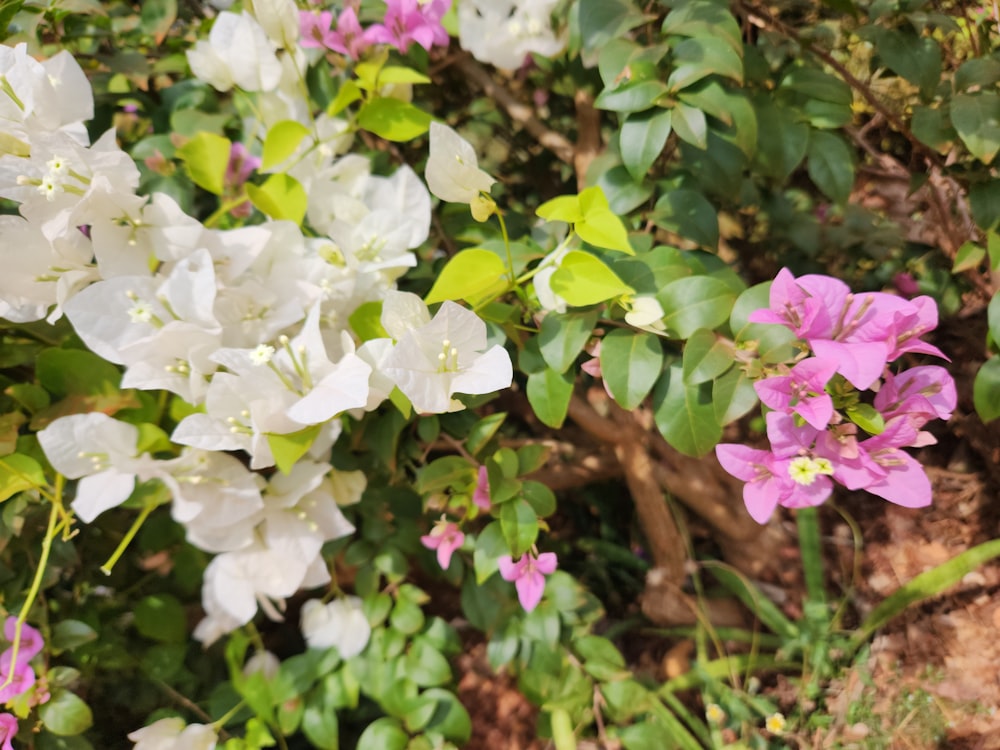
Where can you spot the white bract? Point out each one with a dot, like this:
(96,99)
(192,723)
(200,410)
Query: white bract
(453,172)
(237,53)
(101,453)
(437,358)
(504,32)
(174,734)
(340,623)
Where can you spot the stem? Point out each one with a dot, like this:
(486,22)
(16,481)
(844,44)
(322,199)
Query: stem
(506,245)
(127,540)
(810,546)
(224,208)
(36,584)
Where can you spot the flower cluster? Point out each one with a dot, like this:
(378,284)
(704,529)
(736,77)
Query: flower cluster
(405,22)
(821,428)
(249,326)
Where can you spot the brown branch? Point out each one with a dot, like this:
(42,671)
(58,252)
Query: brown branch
(520,113)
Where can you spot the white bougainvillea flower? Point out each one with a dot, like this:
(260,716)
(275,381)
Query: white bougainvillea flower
(504,32)
(340,623)
(101,453)
(435,359)
(279,19)
(173,734)
(453,172)
(237,53)
(646,313)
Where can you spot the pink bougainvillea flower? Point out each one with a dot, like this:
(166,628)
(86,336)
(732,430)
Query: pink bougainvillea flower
(314,28)
(801,391)
(21,677)
(409,21)
(481,495)
(919,393)
(349,38)
(445,537)
(804,313)
(31,640)
(8,729)
(528,575)
(884,469)
(793,482)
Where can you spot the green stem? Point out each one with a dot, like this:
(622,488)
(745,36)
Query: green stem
(811,548)
(127,540)
(224,208)
(36,584)
(506,245)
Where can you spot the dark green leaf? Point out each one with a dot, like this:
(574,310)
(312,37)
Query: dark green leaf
(65,714)
(642,139)
(562,337)
(631,363)
(976,118)
(695,302)
(831,165)
(986,390)
(689,214)
(549,393)
(685,414)
(699,57)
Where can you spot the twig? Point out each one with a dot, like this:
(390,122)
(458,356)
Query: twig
(519,112)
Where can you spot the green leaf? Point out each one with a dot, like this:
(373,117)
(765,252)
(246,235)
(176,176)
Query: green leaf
(689,214)
(867,418)
(690,125)
(157,16)
(19,473)
(993,317)
(206,157)
(916,58)
(348,93)
(969,256)
(976,118)
(70,634)
(631,363)
(642,138)
(65,372)
(695,302)
(979,72)
(281,141)
(783,140)
(563,336)
(161,618)
(602,228)
(490,545)
(685,414)
(702,56)
(986,390)
(706,356)
(733,395)
(831,165)
(450,717)
(366,321)
(407,617)
(932,126)
(475,275)
(519,524)
(425,665)
(444,474)
(393,119)
(383,734)
(561,208)
(288,449)
(549,393)
(582,279)
(602,21)
(993,249)
(66,714)
(632,96)
(281,197)
(400,74)
(624,194)
(706,19)
(928,584)
(984,199)
(540,497)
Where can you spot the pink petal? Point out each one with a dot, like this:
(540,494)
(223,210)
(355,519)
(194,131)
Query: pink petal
(530,588)
(546,563)
(509,570)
